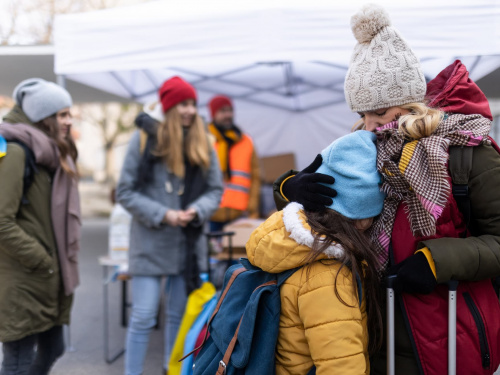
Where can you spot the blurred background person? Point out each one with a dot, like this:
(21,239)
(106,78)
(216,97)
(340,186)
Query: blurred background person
(239,165)
(40,227)
(171,184)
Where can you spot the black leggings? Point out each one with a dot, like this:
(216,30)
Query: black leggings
(20,357)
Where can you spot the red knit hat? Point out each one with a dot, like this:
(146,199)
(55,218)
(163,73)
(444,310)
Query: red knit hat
(218,102)
(175,90)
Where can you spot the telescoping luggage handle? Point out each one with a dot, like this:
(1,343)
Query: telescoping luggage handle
(452,327)
(220,234)
(391,354)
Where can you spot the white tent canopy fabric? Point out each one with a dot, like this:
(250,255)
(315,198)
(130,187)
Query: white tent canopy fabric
(283,62)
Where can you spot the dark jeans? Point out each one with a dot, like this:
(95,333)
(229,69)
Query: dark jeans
(215,226)
(20,357)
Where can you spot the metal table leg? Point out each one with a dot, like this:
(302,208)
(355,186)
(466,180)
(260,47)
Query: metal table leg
(124,303)
(67,339)
(120,352)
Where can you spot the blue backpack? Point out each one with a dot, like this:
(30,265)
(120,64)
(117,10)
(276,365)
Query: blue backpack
(244,325)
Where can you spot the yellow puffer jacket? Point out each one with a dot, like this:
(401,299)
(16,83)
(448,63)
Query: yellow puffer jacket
(316,328)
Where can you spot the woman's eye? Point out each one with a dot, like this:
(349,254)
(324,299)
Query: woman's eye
(361,115)
(381,114)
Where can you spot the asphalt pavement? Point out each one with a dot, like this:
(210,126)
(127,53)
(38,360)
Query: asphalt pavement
(87,334)
(86,354)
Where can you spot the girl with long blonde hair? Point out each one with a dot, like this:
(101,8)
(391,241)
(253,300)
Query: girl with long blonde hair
(171,184)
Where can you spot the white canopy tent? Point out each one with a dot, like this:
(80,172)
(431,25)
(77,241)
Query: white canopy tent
(22,62)
(283,62)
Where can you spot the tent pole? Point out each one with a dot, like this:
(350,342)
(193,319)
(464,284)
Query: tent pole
(61,80)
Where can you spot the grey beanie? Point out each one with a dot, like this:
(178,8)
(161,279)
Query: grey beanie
(40,99)
(383,72)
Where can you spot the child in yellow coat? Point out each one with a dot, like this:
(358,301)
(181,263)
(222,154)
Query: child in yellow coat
(322,322)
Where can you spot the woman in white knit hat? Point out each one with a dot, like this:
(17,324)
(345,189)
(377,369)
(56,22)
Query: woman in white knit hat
(426,235)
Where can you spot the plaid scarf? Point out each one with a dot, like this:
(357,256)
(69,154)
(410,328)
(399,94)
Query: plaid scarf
(415,172)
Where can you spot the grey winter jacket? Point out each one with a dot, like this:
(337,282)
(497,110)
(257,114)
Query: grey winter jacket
(155,248)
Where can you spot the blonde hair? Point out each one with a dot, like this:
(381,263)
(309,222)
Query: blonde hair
(172,145)
(421,122)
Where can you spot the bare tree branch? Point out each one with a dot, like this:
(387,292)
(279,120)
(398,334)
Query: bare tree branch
(14,9)
(38,17)
(113,120)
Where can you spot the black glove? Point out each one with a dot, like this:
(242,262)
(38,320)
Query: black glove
(306,189)
(414,275)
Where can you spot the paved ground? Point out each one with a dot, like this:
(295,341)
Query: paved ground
(87,316)
(87,326)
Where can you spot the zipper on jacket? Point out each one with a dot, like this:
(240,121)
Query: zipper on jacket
(410,334)
(496,285)
(483,342)
(392,262)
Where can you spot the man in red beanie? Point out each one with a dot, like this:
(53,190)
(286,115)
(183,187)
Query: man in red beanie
(239,165)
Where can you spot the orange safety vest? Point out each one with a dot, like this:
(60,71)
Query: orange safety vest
(237,190)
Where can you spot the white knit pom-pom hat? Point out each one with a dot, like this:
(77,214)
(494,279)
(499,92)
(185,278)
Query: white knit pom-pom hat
(383,72)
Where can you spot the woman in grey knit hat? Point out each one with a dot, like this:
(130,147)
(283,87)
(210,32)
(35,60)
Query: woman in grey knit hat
(39,228)
(426,235)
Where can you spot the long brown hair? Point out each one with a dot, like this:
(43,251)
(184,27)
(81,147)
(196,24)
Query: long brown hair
(330,227)
(172,146)
(66,144)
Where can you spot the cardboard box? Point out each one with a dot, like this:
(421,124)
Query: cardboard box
(242,228)
(274,166)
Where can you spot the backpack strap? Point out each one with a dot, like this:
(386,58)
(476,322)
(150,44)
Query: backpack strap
(30,169)
(283,276)
(460,166)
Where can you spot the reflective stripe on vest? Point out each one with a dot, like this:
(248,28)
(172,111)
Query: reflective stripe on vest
(237,190)
(240,174)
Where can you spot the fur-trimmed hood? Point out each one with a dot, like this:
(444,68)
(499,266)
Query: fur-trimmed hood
(284,241)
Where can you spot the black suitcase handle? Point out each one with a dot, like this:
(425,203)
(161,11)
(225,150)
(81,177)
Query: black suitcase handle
(219,234)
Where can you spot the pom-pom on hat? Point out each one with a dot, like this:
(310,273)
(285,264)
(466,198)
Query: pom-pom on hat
(174,91)
(352,161)
(217,103)
(40,99)
(368,22)
(383,72)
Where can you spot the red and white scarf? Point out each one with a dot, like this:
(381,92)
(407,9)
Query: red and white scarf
(415,172)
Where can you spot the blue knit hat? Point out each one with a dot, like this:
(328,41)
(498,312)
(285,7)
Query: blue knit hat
(352,161)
